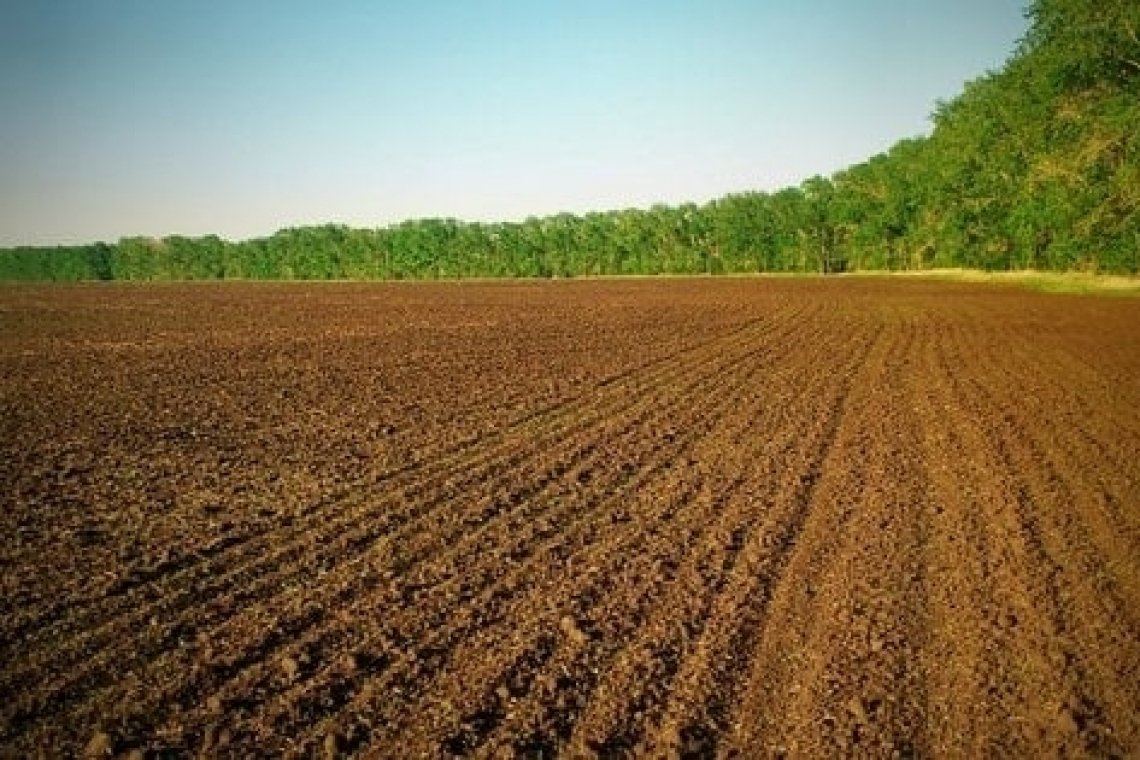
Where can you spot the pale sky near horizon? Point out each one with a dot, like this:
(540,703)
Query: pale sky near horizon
(240,117)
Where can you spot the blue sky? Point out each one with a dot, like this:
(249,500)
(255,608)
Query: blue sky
(239,117)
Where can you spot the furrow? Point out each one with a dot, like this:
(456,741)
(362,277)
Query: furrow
(462,465)
(977,597)
(687,648)
(260,574)
(790,700)
(595,552)
(579,549)
(867,691)
(651,611)
(1092,641)
(1070,445)
(274,638)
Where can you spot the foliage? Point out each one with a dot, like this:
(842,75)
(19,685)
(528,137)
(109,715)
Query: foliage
(1035,166)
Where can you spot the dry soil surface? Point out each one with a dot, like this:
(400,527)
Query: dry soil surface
(655,518)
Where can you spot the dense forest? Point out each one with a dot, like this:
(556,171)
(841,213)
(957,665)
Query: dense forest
(1034,166)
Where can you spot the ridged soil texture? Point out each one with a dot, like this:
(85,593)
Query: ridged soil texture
(676,519)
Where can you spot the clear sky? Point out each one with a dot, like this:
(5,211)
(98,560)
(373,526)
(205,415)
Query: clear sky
(239,117)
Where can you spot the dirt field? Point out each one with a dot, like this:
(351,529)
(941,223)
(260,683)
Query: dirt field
(681,518)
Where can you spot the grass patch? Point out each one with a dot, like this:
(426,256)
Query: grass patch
(1081,283)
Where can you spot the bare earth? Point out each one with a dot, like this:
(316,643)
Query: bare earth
(679,518)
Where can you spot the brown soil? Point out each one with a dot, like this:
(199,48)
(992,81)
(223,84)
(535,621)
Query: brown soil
(682,518)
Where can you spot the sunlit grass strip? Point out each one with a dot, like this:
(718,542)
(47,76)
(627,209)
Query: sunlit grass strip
(1048,282)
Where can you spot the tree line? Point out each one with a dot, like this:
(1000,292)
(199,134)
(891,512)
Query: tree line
(1033,166)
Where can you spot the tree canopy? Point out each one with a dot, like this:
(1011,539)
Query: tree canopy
(1036,165)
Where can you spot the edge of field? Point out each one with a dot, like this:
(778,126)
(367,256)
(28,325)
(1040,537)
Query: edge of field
(1079,283)
(1071,283)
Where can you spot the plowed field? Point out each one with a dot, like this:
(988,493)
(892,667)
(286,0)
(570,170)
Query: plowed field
(680,518)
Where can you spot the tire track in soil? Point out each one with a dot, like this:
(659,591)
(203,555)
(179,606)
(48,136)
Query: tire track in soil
(264,580)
